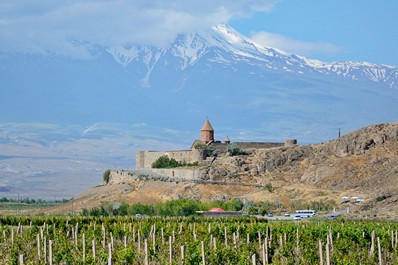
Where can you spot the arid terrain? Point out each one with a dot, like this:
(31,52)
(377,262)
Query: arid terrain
(363,163)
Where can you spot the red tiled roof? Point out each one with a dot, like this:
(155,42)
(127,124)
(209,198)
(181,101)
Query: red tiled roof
(216,210)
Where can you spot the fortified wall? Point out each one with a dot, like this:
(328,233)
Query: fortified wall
(144,159)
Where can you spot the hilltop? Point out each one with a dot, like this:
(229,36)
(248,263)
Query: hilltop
(363,163)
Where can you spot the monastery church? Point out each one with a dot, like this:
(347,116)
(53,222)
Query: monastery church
(144,159)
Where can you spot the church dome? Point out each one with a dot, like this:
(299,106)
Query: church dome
(207,126)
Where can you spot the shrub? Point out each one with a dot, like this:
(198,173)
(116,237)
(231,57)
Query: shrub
(269,187)
(208,150)
(165,162)
(106,176)
(233,149)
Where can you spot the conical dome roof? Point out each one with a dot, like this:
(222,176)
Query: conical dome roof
(207,126)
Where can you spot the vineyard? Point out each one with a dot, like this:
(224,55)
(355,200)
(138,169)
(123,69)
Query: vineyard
(194,240)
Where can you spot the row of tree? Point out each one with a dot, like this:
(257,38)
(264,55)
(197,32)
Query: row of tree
(187,207)
(180,207)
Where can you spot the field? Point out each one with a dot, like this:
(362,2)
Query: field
(22,208)
(194,240)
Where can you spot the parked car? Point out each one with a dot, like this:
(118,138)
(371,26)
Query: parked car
(287,214)
(270,214)
(332,217)
(297,217)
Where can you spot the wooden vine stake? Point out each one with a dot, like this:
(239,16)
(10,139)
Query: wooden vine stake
(111,240)
(259,239)
(84,247)
(254,259)
(103,236)
(203,253)
(146,252)
(225,237)
(110,254)
(263,252)
(45,248)
(372,245)
(182,254)
(50,250)
(38,246)
(21,259)
(139,240)
(266,250)
(94,250)
(396,239)
(170,250)
(327,255)
(379,250)
(320,253)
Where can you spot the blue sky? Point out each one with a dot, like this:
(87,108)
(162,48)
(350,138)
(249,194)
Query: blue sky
(330,30)
(360,30)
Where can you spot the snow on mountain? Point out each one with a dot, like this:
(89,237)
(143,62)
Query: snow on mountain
(189,48)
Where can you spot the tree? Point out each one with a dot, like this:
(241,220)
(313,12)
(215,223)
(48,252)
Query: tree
(233,149)
(165,162)
(106,176)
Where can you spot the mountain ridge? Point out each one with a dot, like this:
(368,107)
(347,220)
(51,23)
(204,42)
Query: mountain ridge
(191,47)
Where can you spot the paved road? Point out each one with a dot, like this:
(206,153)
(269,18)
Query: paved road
(291,217)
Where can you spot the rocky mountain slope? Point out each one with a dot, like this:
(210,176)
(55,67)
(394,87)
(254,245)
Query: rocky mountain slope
(223,45)
(363,163)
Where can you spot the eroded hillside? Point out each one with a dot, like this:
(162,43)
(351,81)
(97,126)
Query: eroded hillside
(362,163)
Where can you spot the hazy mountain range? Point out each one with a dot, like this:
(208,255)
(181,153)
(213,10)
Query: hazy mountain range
(66,119)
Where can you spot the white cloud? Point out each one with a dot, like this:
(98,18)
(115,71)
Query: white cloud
(75,27)
(305,48)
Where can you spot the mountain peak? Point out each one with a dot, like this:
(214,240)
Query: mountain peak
(229,46)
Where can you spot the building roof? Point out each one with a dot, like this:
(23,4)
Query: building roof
(207,126)
(216,210)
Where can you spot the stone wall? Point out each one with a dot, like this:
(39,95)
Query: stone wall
(144,159)
(178,173)
(119,176)
(222,147)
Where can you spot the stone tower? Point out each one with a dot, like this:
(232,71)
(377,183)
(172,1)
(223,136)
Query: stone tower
(207,132)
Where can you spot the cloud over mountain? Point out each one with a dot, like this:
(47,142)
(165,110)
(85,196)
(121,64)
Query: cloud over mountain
(305,48)
(77,28)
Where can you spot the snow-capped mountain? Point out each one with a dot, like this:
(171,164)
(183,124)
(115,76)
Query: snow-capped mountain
(160,98)
(230,47)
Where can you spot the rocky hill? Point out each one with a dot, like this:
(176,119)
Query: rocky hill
(363,163)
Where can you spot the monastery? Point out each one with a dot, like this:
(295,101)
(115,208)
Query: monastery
(196,153)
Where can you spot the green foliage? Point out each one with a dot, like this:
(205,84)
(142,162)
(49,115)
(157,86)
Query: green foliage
(208,150)
(289,242)
(269,187)
(233,149)
(106,176)
(166,162)
(180,207)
